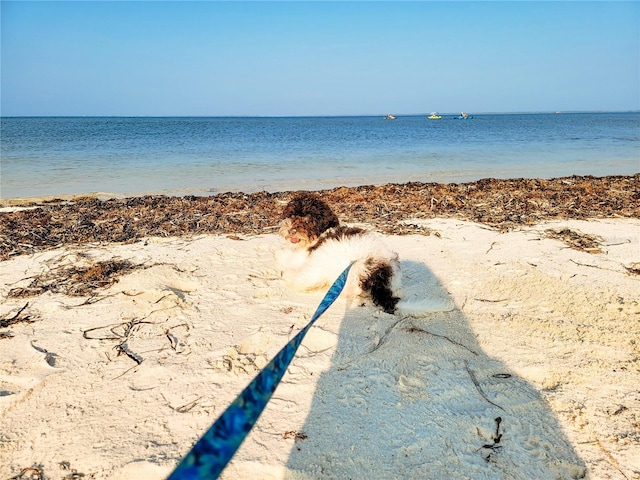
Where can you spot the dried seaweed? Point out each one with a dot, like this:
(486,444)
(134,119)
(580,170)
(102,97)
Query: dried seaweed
(414,329)
(295,435)
(478,386)
(633,268)
(577,240)
(122,332)
(502,204)
(19,317)
(29,473)
(76,280)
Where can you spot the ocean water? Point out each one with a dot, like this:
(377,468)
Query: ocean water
(116,156)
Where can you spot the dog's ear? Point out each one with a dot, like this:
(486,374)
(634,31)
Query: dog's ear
(287,211)
(326,219)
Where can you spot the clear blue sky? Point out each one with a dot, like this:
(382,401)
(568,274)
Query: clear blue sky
(317,58)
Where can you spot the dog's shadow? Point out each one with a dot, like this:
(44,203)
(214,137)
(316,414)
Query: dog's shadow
(418,399)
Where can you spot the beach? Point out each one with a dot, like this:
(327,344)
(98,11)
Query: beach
(128,325)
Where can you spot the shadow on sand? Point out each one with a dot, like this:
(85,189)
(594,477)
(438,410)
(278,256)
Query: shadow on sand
(419,399)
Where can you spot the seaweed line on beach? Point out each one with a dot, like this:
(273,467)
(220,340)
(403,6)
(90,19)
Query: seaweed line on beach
(501,204)
(76,280)
(576,240)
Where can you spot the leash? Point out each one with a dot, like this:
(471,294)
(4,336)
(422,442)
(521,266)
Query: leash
(211,454)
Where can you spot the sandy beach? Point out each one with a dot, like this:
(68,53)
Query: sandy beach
(127,326)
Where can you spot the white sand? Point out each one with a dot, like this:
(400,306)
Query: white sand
(374,396)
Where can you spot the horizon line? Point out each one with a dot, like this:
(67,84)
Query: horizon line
(536,112)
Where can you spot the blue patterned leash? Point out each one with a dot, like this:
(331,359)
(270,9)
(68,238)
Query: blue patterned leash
(210,455)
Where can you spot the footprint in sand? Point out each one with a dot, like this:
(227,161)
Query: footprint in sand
(238,363)
(26,372)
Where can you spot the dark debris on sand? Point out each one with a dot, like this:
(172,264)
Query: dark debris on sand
(576,240)
(75,280)
(502,204)
(21,316)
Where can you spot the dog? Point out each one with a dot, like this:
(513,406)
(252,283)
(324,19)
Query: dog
(319,248)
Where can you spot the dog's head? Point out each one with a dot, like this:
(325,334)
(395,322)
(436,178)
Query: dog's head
(305,218)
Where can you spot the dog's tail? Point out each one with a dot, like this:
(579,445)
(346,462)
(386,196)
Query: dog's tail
(377,278)
(423,307)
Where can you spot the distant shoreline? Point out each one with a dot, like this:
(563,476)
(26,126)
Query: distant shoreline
(398,115)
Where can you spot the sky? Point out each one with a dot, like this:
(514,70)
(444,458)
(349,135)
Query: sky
(236,58)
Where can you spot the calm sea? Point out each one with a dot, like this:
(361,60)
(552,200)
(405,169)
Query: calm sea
(202,156)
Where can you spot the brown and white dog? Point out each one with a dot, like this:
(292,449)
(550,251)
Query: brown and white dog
(319,249)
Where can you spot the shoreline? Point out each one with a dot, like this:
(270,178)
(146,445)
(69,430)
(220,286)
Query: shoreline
(503,204)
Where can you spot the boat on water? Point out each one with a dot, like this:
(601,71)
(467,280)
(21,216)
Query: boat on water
(390,117)
(434,116)
(464,116)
